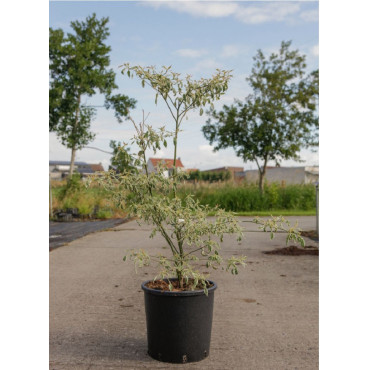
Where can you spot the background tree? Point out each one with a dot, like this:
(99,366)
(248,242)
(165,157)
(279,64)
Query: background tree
(121,160)
(78,65)
(278,119)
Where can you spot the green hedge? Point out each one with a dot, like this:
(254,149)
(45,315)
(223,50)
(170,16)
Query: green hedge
(247,197)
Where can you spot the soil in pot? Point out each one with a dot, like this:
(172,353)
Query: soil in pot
(164,286)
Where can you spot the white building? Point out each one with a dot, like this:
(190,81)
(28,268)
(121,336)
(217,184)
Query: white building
(153,164)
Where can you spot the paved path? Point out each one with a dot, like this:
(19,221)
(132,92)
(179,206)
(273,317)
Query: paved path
(264,318)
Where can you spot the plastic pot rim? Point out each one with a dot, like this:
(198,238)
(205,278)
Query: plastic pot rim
(185,293)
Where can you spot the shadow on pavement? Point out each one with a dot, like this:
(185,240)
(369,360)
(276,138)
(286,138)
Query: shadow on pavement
(102,347)
(61,233)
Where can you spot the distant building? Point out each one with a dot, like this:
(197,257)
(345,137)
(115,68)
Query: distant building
(153,164)
(232,170)
(60,169)
(287,175)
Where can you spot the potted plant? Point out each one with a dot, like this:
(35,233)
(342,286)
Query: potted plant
(179,300)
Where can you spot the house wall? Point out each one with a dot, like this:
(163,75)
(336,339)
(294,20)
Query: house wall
(290,175)
(232,170)
(150,167)
(311,177)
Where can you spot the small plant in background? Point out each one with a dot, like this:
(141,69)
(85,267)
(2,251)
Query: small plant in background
(71,195)
(121,160)
(193,239)
(73,185)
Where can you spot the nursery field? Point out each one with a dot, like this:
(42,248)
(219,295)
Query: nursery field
(243,199)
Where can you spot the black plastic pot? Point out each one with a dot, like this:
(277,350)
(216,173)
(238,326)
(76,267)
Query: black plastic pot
(179,324)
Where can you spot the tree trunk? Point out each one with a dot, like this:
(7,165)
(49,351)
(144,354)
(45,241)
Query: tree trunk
(74,145)
(262,176)
(73,155)
(261,182)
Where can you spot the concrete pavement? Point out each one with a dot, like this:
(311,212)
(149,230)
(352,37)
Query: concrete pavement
(264,318)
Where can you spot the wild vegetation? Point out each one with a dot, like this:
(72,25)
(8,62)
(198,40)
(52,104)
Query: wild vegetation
(246,197)
(242,198)
(92,202)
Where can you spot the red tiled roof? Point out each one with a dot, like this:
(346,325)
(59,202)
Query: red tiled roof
(96,167)
(168,162)
(232,169)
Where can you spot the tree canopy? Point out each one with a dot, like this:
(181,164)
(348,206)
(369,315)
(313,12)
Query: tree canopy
(121,160)
(278,119)
(79,68)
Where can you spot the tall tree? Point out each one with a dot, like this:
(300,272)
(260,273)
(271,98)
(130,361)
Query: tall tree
(278,119)
(121,160)
(78,65)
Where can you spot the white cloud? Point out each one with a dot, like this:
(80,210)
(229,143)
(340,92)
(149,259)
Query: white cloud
(267,12)
(207,149)
(310,15)
(309,158)
(191,53)
(315,50)
(250,13)
(114,134)
(206,65)
(230,51)
(198,8)
(204,158)
(158,154)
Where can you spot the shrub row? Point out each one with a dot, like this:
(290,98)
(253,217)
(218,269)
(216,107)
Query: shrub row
(247,197)
(209,176)
(232,197)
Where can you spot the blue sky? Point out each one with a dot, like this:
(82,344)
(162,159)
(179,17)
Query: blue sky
(196,38)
